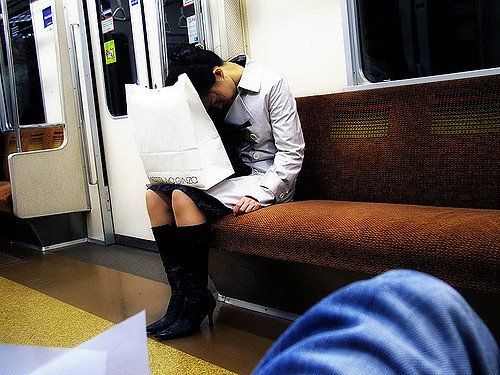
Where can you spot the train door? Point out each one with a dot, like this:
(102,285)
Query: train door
(130,40)
(47,173)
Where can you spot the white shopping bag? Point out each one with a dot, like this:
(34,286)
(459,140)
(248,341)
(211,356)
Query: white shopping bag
(176,138)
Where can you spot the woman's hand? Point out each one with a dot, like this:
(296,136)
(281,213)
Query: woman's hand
(246,205)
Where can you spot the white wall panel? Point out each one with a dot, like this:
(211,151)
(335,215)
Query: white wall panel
(48,65)
(303,40)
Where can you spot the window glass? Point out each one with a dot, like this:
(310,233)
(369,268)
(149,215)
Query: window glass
(402,39)
(28,86)
(5,105)
(118,55)
(180,23)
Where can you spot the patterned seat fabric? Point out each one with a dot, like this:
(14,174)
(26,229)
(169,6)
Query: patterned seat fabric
(5,196)
(459,245)
(417,150)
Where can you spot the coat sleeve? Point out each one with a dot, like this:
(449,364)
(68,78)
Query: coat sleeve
(280,178)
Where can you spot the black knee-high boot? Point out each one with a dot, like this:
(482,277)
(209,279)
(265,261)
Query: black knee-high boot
(171,257)
(200,302)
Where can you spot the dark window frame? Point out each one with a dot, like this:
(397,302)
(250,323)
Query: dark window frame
(354,62)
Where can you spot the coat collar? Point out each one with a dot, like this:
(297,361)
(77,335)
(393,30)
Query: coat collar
(252,75)
(250,81)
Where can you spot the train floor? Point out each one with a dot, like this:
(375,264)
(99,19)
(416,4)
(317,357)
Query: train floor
(65,297)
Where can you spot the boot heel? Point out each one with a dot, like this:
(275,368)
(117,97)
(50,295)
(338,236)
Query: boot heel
(211,308)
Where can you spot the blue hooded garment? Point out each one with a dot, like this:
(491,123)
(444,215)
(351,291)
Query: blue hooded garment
(401,322)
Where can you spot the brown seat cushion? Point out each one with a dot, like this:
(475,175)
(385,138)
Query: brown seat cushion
(460,246)
(5,196)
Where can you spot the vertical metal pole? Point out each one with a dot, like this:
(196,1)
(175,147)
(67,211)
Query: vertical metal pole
(163,41)
(12,76)
(200,27)
(206,19)
(75,69)
(4,116)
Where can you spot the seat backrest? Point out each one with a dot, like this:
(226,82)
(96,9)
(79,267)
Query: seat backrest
(427,144)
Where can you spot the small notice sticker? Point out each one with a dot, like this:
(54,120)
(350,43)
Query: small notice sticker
(187,3)
(192,29)
(107,25)
(110,52)
(47,17)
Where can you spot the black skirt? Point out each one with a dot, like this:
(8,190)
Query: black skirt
(212,208)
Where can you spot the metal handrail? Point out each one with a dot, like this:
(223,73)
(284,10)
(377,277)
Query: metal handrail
(163,41)
(181,25)
(41,126)
(12,76)
(79,103)
(200,28)
(116,17)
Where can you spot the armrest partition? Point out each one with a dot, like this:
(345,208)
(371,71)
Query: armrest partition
(51,181)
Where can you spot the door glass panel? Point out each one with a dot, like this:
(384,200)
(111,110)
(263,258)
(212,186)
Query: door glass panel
(27,77)
(118,56)
(180,23)
(5,105)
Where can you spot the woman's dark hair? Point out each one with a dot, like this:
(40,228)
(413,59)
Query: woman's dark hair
(197,63)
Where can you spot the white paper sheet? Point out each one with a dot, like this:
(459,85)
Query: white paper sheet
(121,349)
(38,360)
(126,346)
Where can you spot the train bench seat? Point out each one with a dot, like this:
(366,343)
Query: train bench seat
(399,177)
(455,244)
(32,139)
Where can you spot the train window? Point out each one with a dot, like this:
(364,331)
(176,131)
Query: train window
(27,77)
(5,104)
(180,23)
(118,57)
(401,39)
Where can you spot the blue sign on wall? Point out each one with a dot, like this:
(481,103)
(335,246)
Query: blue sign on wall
(134,2)
(47,17)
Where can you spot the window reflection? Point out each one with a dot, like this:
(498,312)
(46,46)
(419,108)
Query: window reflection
(28,86)
(180,23)
(414,38)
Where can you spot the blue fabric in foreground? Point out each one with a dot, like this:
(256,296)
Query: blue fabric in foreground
(401,322)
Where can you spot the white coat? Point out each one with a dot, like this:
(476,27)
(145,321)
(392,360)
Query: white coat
(276,150)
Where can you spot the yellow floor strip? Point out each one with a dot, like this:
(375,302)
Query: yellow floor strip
(28,317)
